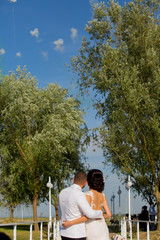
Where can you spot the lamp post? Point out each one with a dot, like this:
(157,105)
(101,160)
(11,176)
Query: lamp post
(113,196)
(119,193)
(128,186)
(50,185)
(111,206)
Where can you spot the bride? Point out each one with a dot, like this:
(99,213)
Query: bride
(95,228)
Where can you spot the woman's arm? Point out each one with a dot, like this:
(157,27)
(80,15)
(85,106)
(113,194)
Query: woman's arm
(67,224)
(106,208)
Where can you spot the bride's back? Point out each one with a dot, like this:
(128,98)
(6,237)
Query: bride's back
(95,199)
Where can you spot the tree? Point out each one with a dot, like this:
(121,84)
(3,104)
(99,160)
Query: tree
(118,67)
(12,175)
(11,186)
(41,129)
(141,187)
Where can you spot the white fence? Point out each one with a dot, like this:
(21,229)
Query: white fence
(127,228)
(52,228)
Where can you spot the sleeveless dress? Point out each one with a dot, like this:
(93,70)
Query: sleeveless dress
(96,229)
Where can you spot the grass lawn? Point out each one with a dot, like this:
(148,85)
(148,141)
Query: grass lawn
(23,231)
(154,235)
(23,234)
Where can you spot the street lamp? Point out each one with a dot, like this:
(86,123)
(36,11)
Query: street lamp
(50,185)
(119,193)
(111,205)
(128,186)
(113,196)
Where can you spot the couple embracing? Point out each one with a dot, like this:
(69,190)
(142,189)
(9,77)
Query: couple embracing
(82,214)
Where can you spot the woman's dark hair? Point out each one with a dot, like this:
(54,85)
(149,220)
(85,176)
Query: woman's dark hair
(95,180)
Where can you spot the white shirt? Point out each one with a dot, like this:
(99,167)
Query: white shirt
(72,205)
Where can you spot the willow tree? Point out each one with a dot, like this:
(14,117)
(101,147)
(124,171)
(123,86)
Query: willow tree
(43,128)
(12,185)
(118,66)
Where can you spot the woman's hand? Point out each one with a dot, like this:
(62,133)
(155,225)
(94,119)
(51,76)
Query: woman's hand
(105,215)
(66,223)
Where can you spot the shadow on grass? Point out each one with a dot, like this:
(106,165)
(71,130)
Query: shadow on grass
(114,229)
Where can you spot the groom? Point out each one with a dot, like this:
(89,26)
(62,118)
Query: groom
(72,205)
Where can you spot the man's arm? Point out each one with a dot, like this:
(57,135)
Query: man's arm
(86,208)
(67,224)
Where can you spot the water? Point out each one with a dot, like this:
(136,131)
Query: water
(22,211)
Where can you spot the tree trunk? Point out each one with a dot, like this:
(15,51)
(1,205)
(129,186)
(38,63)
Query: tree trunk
(158,208)
(11,213)
(35,198)
(57,214)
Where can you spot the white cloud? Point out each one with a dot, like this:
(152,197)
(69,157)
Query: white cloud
(73,33)
(18,54)
(35,33)
(59,44)
(45,55)
(92,2)
(13,0)
(2,51)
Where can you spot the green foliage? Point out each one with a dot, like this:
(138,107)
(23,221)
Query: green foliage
(119,68)
(41,135)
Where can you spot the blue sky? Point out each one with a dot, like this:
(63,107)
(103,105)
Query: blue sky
(44,35)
